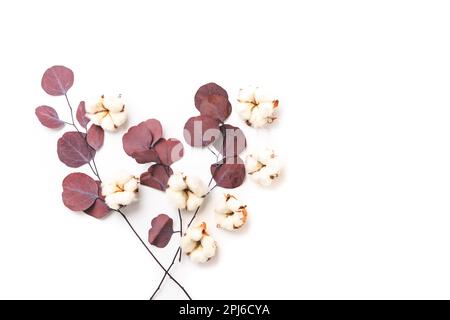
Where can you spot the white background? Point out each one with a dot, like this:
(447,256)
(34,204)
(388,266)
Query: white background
(362,209)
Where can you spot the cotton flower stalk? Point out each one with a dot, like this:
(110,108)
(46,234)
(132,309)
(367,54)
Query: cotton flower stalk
(198,244)
(109,112)
(186,192)
(231,214)
(121,191)
(256,107)
(264,167)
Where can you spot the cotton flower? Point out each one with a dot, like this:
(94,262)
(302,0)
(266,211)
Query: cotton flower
(264,167)
(109,112)
(231,214)
(186,192)
(256,106)
(121,191)
(198,244)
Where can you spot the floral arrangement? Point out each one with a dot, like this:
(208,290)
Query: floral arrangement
(146,144)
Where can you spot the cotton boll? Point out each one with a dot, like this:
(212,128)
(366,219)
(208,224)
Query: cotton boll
(116,195)
(245,110)
(97,118)
(109,112)
(252,164)
(119,199)
(177,198)
(234,216)
(257,119)
(233,204)
(246,94)
(119,118)
(131,185)
(264,180)
(176,182)
(107,123)
(193,201)
(269,166)
(109,188)
(266,110)
(221,204)
(274,165)
(186,192)
(209,246)
(187,244)
(195,233)
(197,244)
(93,106)
(198,255)
(262,95)
(196,186)
(113,104)
(265,155)
(261,106)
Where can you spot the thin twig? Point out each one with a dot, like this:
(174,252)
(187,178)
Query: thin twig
(193,217)
(151,253)
(181,234)
(166,273)
(209,148)
(215,186)
(95,171)
(181,230)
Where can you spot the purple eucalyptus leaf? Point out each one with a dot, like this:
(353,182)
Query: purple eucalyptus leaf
(229,173)
(137,139)
(154,126)
(161,231)
(156,177)
(201,131)
(48,117)
(231,141)
(57,80)
(99,209)
(95,136)
(215,106)
(206,90)
(73,149)
(146,156)
(169,151)
(79,191)
(81,115)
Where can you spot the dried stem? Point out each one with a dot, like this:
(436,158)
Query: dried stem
(153,255)
(93,166)
(181,230)
(94,169)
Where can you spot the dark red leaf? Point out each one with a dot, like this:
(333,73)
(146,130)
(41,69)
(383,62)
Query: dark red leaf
(95,136)
(229,173)
(99,209)
(201,131)
(206,90)
(146,156)
(169,151)
(48,117)
(81,115)
(140,138)
(155,128)
(161,231)
(79,191)
(156,177)
(73,149)
(57,80)
(231,141)
(215,106)
(137,139)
